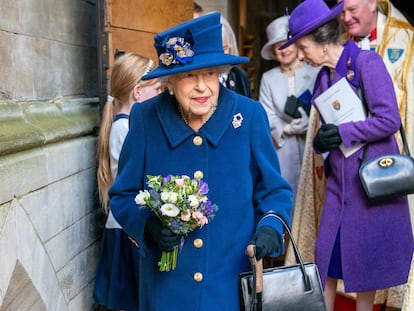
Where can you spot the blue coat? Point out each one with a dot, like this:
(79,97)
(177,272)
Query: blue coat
(241,167)
(376,240)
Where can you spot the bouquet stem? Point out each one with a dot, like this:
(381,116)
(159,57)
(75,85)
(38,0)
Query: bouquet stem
(168,260)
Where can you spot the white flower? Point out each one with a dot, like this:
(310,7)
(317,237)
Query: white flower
(166,59)
(169,209)
(141,197)
(192,199)
(198,175)
(169,196)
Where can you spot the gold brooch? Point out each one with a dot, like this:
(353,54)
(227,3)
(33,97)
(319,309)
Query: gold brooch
(350,74)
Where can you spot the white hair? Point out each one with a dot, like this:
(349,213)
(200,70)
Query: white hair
(229,37)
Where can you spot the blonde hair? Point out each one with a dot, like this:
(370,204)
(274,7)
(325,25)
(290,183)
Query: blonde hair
(126,73)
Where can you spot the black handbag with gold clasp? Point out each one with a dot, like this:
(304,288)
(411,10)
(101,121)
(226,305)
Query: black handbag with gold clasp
(388,176)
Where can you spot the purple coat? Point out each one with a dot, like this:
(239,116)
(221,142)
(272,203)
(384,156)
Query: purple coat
(376,240)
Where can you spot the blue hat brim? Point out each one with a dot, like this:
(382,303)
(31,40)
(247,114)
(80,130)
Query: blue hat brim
(198,62)
(334,12)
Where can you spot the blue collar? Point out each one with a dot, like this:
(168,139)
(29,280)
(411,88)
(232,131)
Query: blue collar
(120,116)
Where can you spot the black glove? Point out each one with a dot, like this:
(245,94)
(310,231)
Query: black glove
(327,138)
(161,235)
(267,241)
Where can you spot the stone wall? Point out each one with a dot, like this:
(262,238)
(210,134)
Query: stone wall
(49,218)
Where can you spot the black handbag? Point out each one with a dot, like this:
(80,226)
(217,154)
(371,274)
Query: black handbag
(291,107)
(285,288)
(388,176)
(293,103)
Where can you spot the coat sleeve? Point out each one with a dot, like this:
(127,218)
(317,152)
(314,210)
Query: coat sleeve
(272,191)
(378,90)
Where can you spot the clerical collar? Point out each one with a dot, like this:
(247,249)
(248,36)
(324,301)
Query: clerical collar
(372,36)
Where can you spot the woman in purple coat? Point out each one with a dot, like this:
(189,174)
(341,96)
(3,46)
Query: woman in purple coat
(369,246)
(199,125)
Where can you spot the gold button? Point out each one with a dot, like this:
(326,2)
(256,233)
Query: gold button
(197,141)
(198,276)
(198,243)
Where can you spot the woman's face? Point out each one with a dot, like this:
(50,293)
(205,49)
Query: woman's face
(310,51)
(196,91)
(286,56)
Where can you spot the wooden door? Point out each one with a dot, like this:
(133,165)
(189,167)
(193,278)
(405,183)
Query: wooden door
(130,25)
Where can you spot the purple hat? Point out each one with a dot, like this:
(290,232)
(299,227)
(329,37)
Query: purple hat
(192,45)
(309,15)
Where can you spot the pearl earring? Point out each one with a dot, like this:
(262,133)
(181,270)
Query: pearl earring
(171,92)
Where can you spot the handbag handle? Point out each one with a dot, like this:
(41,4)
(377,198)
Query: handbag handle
(299,260)
(257,266)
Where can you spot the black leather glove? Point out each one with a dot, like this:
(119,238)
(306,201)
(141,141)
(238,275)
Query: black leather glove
(267,241)
(327,137)
(161,235)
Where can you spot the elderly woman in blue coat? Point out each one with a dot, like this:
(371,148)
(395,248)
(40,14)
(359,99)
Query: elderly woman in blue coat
(367,245)
(198,125)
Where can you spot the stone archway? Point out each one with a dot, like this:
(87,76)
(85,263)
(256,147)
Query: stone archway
(28,278)
(22,294)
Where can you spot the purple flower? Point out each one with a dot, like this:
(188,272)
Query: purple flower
(202,187)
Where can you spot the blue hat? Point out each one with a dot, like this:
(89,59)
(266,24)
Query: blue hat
(192,45)
(309,15)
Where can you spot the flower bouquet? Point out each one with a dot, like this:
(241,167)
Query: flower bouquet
(181,204)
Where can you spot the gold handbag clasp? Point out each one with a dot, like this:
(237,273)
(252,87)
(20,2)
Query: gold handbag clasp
(386,162)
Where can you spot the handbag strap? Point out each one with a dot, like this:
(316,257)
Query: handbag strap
(257,265)
(402,132)
(404,141)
